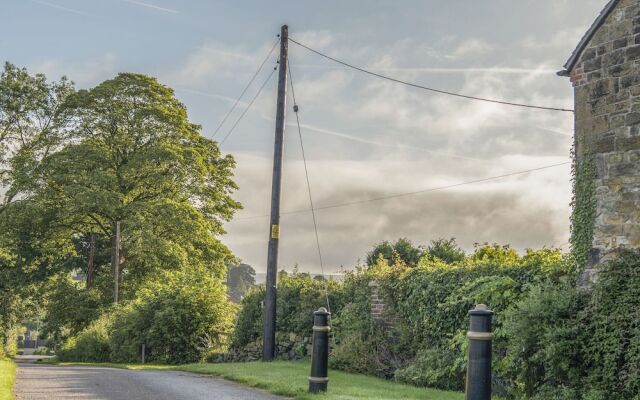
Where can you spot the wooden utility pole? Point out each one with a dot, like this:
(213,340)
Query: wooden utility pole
(91,265)
(116,263)
(269,338)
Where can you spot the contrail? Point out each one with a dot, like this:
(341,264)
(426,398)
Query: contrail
(140,3)
(59,7)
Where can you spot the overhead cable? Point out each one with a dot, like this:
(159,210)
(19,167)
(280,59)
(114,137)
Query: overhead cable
(248,107)
(415,85)
(245,89)
(306,174)
(405,194)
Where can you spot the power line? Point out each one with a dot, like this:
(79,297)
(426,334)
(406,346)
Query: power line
(306,174)
(415,85)
(405,194)
(248,107)
(245,89)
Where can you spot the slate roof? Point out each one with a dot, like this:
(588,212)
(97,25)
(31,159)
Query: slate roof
(575,56)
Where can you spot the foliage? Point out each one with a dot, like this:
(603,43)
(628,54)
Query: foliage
(426,343)
(299,295)
(250,319)
(402,250)
(70,308)
(240,278)
(180,316)
(613,346)
(544,332)
(446,250)
(583,208)
(74,163)
(91,344)
(122,151)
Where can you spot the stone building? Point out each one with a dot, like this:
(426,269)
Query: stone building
(605,72)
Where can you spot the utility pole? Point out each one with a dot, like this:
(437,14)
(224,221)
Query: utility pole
(116,263)
(269,338)
(91,265)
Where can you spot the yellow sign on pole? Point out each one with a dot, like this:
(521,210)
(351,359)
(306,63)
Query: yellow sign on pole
(275,231)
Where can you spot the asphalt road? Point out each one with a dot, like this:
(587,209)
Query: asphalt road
(51,382)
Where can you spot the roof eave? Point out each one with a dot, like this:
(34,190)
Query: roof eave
(575,56)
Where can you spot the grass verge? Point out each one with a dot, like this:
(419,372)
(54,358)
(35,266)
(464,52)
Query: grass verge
(7,379)
(289,378)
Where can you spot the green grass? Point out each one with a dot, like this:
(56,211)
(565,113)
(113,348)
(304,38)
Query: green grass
(289,379)
(7,378)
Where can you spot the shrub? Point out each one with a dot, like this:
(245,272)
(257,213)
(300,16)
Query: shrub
(544,331)
(613,348)
(181,317)
(434,367)
(299,295)
(70,308)
(90,345)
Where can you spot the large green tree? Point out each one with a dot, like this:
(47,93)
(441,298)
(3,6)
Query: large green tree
(31,128)
(125,152)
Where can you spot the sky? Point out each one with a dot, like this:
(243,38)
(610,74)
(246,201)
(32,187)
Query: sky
(364,137)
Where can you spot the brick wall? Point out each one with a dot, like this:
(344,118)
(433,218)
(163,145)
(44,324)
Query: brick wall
(606,81)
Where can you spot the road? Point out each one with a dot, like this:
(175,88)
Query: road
(51,382)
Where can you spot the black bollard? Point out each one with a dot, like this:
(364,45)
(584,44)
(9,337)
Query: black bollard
(478,385)
(320,357)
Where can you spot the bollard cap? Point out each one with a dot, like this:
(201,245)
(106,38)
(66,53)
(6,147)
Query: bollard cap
(321,311)
(481,310)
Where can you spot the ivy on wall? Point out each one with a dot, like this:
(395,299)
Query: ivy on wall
(583,206)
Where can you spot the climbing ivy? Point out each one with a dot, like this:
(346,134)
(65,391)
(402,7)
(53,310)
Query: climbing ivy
(583,204)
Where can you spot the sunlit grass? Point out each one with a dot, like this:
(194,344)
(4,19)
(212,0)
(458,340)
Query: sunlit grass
(7,379)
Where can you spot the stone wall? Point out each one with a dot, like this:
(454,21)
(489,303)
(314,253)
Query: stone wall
(377,303)
(607,100)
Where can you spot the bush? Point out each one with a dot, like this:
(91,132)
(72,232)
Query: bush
(613,348)
(425,342)
(181,317)
(299,295)
(43,351)
(90,345)
(435,367)
(544,331)
(70,308)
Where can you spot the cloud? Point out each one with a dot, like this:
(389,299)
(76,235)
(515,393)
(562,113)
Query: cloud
(216,61)
(86,74)
(470,48)
(152,6)
(59,7)
(505,211)
(443,70)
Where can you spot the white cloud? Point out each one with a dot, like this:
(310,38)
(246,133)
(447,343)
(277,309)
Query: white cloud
(509,210)
(470,48)
(86,74)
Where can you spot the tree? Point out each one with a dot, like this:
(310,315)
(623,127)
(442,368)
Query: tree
(31,121)
(129,154)
(30,129)
(240,278)
(445,249)
(402,250)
